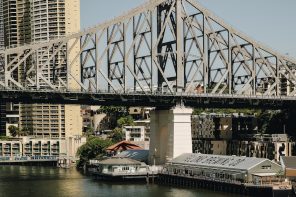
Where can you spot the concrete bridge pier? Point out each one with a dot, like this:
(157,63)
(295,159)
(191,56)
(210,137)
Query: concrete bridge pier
(170,134)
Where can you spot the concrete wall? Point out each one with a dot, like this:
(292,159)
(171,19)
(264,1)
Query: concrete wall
(170,134)
(97,118)
(70,145)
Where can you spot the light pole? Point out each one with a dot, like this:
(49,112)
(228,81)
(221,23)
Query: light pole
(154,155)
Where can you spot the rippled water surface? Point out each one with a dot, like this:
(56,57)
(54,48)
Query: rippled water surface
(30,181)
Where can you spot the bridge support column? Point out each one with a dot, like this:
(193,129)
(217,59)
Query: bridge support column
(170,134)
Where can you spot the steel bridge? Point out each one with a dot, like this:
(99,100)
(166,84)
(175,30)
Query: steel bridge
(159,54)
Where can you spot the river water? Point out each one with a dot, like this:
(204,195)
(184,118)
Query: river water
(17,181)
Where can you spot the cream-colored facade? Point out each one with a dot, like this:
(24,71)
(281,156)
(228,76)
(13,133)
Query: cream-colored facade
(2,45)
(31,21)
(27,146)
(170,134)
(16,22)
(52,19)
(15,30)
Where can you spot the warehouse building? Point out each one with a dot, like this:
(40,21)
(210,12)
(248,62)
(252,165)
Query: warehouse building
(225,168)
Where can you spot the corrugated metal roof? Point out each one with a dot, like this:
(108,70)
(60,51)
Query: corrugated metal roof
(139,155)
(119,161)
(218,161)
(289,162)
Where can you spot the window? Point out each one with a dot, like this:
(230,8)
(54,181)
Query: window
(125,168)
(267,167)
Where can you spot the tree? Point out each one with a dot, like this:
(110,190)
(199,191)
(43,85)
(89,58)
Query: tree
(94,148)
(112,115)
(117,135)
(198,111)
(125,121)
(89,131)
(278,121)
(14,131)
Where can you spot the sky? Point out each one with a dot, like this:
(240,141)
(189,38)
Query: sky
(272,22)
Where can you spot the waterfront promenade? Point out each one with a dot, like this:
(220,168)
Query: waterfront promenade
(27,159)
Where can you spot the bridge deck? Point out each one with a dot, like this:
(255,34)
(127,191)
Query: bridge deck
(155,99)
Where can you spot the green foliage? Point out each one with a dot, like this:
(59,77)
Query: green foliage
(263,121)
(117,135)
(110,110)
(4,138)
(280,173)
(227,111)
(271,122)
(89,131)
(94,148)
(278,121)
(112,115)
(14,131)
(125,121)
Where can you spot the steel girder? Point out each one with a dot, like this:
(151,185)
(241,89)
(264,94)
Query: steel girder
(161,47)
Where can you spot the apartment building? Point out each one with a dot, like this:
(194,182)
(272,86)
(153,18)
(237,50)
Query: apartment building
(2,45)
(32,21)
(8,37)
(137,135)
(134,133)
(27,146)
(33,147)
(2,119)
(10,148)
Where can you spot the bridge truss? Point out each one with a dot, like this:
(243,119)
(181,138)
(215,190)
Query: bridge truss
(163,51)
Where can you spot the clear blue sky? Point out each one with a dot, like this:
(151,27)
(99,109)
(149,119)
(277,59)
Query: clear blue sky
(272,22)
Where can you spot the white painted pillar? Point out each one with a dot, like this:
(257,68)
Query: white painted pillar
(170,134)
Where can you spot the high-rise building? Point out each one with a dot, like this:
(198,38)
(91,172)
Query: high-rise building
(1,26)
(2,105)
(9,26)
(28,21)
(16,22)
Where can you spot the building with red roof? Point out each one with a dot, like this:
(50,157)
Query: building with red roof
(122,146)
